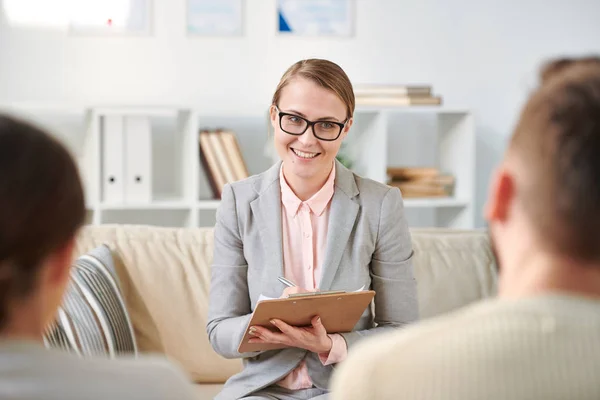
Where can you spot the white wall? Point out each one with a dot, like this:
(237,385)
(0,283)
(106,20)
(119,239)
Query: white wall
(480,54)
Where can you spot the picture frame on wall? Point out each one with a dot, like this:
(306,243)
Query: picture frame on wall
(335,18)
(115,17)
(215,17)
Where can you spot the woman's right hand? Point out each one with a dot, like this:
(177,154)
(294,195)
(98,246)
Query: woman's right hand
(293,290)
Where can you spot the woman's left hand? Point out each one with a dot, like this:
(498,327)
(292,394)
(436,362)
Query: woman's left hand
(313,338)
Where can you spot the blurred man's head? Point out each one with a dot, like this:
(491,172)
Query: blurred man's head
(41,209)
(544,203)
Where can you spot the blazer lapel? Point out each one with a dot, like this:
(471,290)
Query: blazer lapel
(342,216)
(267,212)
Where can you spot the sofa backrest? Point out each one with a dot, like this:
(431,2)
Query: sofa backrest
(165,275)
(453,268)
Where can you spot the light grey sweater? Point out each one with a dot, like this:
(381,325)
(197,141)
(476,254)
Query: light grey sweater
(545,347)
(29,371)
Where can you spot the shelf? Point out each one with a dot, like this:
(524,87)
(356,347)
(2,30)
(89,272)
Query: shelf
(146,111)
(411,109)
(438,202)
(208,204)
(180,192)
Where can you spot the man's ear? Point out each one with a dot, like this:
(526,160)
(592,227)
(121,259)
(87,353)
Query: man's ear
(60,263)
(501,196)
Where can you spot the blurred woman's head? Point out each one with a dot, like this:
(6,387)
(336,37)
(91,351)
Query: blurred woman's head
(41,209)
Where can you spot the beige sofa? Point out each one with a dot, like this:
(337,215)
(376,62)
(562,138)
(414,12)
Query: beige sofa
(165,274)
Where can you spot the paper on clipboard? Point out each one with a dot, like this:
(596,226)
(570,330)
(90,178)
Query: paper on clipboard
(263,297)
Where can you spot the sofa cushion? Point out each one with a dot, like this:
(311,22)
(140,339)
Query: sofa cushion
(453,268)
(92,319)
(167,271)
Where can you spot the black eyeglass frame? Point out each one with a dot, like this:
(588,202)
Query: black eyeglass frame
(310,124)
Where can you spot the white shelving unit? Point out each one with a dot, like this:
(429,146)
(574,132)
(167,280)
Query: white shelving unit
(208,204)
(180,196)
(451,149)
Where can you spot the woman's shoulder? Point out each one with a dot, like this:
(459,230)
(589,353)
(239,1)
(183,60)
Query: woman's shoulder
(249,188)
(372,186)
(369,188)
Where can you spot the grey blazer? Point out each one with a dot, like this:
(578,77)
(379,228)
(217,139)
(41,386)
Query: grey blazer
(368,243)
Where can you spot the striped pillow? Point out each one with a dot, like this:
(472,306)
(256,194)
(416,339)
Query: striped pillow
(93,320)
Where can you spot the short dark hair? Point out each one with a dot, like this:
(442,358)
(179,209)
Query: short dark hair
(553,68)
(41,205)
(558,140)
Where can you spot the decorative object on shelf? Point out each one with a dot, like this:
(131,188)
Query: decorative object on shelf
(395,95)
(316,17)
(221,158)
(215,17)
(421,182)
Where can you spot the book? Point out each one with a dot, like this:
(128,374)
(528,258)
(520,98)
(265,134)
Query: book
(417,189)
(221,159)
(421,181)
(398,101)
(369,90)
(210,164)
(403,173)
(234,154)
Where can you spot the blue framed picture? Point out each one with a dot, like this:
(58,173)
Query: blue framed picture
(316,17)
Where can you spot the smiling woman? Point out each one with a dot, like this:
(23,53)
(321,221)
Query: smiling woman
(315,223)
(319,91)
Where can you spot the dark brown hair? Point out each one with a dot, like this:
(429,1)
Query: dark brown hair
(41,205)
(558,140)
(325,73)
(555,67)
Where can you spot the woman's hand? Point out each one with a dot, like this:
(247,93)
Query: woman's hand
(313,338)
(293,290)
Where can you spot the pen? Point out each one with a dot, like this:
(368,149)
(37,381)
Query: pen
(286,282)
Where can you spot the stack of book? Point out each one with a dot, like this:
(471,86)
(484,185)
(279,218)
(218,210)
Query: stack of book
(395,95)
(221,159)
(415,182)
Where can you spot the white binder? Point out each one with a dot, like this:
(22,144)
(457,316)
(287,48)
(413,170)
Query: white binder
(113,182)
(138,155)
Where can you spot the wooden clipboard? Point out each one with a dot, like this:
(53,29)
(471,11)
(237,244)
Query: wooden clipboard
(339,313)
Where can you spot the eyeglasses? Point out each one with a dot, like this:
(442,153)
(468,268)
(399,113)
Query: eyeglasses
(323,130)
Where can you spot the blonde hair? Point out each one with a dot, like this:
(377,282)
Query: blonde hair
(325,73)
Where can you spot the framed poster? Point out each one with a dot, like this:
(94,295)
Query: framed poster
(215,17)
(110,17)
(316,17)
